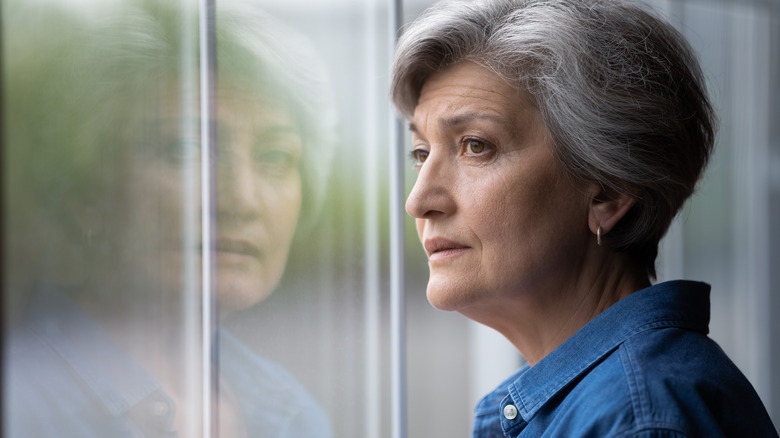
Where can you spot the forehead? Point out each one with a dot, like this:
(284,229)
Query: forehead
(465,90)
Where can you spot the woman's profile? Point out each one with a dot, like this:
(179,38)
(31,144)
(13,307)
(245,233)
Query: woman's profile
(554,142)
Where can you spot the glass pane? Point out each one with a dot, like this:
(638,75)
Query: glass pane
(104,220)
(324,320)
(102,303)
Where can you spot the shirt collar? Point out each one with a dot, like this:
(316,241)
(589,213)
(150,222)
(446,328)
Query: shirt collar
(683,304)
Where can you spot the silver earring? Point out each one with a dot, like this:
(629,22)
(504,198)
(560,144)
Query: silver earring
(598,235)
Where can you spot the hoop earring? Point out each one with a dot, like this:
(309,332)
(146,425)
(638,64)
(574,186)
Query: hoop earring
(598,235)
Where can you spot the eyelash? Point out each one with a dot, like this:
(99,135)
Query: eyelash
(466,142)
(419,155)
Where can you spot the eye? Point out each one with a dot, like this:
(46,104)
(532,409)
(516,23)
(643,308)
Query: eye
(474,146)
(419,156)
(277,161)
(278,158)
(180,151)
(278,150)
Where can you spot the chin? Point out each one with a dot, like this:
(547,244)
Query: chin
(448,297)
(235,296)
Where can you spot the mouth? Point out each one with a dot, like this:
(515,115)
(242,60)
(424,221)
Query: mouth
(238,247)
(439,248)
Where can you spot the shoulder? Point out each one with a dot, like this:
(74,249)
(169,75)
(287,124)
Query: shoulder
(49,398)
(271,397)
(680,380)
(659,383)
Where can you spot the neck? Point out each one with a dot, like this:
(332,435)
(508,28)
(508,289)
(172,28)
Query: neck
(537,322)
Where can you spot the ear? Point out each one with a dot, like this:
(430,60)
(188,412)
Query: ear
(607,208)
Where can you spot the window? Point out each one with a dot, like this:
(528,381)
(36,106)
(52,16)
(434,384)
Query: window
(201,216)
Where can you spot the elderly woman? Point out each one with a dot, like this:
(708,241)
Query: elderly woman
(555,141)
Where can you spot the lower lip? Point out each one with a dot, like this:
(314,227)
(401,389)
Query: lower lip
(226,256)
(447,254)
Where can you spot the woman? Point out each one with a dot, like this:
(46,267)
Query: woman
(554,142)
(104,135)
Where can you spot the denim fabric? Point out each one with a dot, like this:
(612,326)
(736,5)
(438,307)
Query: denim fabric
(274,404)
(64,377)
(642,368)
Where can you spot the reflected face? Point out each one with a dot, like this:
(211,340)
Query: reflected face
(257,201)
(496,215)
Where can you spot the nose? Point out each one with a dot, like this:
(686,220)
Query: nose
(239,188)
(432,192)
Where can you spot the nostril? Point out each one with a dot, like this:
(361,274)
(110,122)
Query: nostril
(426,201)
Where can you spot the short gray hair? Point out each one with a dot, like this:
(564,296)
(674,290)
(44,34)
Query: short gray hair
(619,90)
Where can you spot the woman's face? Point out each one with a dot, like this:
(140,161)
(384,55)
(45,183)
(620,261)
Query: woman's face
(259,193)
(496,214)
(257,202)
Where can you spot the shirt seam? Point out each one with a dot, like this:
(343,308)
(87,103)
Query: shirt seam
(635,386)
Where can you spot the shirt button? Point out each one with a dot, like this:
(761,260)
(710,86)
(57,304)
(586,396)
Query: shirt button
(510,412)
(160,408)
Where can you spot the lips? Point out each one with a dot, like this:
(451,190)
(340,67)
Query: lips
(237,246)
(440,247)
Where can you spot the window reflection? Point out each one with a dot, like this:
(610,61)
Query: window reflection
(105,217)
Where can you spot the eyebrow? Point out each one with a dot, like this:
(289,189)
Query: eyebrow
(455,121)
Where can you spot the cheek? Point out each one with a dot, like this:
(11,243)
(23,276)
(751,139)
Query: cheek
(504,206)
(150,207)
(284,204)
(523,215)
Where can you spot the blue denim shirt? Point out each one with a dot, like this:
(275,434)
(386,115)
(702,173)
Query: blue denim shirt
(642,368)
(64,377)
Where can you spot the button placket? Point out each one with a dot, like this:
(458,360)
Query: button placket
(512,423)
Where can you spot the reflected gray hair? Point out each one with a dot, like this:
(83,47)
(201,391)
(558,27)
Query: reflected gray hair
(76,82)
(619,89)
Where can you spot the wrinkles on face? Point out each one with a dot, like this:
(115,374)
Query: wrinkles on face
(509,205)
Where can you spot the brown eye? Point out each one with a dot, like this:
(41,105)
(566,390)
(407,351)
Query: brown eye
(474,146)
(420,155)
